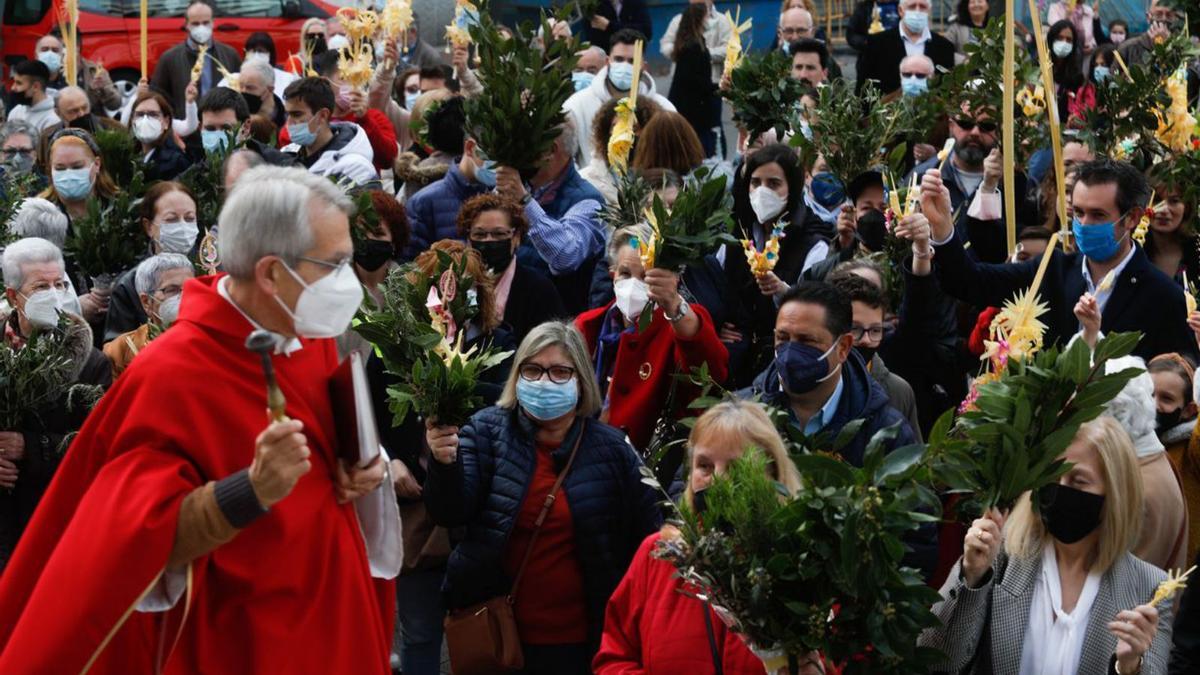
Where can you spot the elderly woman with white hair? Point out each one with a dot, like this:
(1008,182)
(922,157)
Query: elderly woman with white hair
(37,217)
(159,283)
(1163,537)
(37,288)
(558,554)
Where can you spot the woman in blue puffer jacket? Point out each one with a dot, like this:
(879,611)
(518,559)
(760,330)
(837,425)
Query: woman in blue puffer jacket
(493,476)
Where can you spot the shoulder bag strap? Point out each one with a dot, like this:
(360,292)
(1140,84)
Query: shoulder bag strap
(541,519)
(718,666)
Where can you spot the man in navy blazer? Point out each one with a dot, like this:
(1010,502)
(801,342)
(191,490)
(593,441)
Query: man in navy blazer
(880,59)
(1108,201)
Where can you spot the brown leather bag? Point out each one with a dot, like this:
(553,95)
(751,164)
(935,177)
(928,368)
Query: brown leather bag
(482,639)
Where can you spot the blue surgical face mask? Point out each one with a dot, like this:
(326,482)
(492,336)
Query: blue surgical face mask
(1100,74)
(1062,49)
(621,75)
(410,100)
(916,22)
(214,140)
(545,400)
(582,79)
(52,59)
(827,191)
(301,134)
(802,367)
(1098,242)
(485,174)
(914,86)
(72,183)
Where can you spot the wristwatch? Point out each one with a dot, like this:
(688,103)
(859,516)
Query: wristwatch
(684,308)
(1136,670)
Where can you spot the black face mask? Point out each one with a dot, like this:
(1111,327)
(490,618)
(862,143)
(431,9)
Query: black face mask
(496,255)
(1069,514)
(867,353)
(1165,421)
(371,254)
(17,98)
(315,44)
(872,229)
(84,122)
(699,501)
(254,103)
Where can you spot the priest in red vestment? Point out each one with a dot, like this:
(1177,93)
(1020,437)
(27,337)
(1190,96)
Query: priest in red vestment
(185,534)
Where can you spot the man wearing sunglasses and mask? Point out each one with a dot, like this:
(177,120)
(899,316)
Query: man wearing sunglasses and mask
(196,489)
(1108,276)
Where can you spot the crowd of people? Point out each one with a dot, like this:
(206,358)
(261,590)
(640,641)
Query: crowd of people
(189,533)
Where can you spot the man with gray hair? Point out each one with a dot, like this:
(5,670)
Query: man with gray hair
(37,217)
(565,237)
(261,521)
(158,281)
(37,288)
(257,82)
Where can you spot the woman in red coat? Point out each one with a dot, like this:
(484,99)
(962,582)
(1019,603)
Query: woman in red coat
(650,625)
(635,369)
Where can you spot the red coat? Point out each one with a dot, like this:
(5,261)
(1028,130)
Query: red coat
(379,131)
(641,375)
(651,627)
(292,593)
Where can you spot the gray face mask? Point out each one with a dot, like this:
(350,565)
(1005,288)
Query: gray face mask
(19,164)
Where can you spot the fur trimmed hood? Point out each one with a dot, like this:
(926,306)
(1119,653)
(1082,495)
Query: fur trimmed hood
(410,168)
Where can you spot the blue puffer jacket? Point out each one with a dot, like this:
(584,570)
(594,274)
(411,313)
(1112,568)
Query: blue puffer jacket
(433,211)
(613,511)
(862,398)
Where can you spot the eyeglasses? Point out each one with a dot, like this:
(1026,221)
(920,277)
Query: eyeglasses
(795,31)
(533,372)
(875,333)
(967,124)
(9,152)
(169,291)
(919,76)
(502,235)
(152,114)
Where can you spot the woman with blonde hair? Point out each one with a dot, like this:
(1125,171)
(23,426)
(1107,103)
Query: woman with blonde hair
(649,604)
(76,174)
(553,504)
(1053,588)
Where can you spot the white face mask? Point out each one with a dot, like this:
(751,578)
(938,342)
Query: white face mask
(258,57)
(338,42)
(767,203)
(326,307)
(200,34)
(168,310)
(1062,49)
(42,308)
(632,296)
(147,129)
(177,236)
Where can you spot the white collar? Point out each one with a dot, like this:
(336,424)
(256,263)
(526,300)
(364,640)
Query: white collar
(1116,271)
(921,40)
(284,346)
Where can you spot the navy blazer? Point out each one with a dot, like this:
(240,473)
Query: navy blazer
(1143,298)
(880,58)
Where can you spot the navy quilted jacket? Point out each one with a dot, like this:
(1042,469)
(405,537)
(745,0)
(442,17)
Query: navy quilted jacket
(433,211)
(613,510)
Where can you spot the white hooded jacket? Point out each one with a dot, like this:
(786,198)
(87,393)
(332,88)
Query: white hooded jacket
(582,107)
(348,155)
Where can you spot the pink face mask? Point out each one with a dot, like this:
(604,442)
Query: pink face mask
(343,97)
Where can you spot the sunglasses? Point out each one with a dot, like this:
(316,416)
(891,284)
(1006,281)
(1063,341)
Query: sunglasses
(967,124)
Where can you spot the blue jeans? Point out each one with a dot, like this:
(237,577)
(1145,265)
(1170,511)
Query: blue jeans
(419,601)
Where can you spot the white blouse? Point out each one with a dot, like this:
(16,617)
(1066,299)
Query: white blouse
(1054,639)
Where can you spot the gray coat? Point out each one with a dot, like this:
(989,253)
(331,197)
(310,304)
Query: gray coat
(983,629)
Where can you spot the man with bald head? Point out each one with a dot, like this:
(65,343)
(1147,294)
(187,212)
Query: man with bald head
(591,61)
(915,73)
(795,24)
(74,109)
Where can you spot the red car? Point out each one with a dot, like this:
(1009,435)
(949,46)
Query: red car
(110,28)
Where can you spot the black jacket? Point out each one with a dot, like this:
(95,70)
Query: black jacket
(1185,638)
(1143,298)
(532,300)
(612,510)
(692,89)
(166,162)
(45,438)
(634,14)
(880,58)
